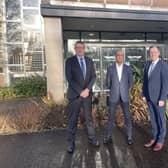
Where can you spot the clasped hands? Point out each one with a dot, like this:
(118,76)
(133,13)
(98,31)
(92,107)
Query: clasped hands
(84,93)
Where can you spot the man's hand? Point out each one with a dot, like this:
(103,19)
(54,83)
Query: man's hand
(161,103)
(85,93)
(144,99)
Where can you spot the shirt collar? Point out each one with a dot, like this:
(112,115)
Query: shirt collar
(119,66)
(79,57)
(156,61)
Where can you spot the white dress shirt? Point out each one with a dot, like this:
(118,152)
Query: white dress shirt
(119,71)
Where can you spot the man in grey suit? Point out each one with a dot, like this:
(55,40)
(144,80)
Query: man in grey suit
(119,80)
(81,76)
(155,83)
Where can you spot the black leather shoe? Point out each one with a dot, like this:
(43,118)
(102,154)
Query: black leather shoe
(94,143)
(70,148)
(107,141)
(129,141)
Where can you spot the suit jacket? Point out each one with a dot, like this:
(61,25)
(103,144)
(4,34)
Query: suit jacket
(76,82)
(119,88)
(155,86)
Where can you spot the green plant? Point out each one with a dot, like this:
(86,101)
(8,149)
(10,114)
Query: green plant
(7,93)
(167,108)
(138,73)
(30,86)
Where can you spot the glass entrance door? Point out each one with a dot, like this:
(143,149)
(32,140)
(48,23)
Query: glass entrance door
(103,56)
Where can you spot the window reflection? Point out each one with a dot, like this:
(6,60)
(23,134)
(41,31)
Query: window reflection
(31,17)
(33,61)
(32,41)
(94,53)
(13,11)
(15,54)
(16,69)
(135,56)
(31,3)
(14,33)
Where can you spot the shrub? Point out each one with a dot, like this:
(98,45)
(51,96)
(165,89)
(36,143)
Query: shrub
(30,86)
(7,93)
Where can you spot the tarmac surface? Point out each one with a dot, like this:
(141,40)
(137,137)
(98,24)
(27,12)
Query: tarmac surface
(48,150)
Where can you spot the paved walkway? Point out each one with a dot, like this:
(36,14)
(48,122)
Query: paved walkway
(48,150)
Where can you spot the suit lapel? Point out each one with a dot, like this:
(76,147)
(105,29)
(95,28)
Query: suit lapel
(123,71)
(87,65)
(78,66)
(148,65)
(155,68)
(115,71)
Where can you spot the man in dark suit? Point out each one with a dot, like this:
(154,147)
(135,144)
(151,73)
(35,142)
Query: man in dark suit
(81,76)
(155,94)
(119,80)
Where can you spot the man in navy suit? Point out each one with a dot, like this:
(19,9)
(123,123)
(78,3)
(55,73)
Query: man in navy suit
(81,76)
(119,80)
(155,94)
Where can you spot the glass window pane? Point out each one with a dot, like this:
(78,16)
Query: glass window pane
(31,17)
(71,35)
(15,54)
(16,69)
(165,36)
(122,36)
(153,36)
(94,53)
(91,36)
(13,11)
(136,58)
(14,33)
(32,41)
(32,3)
(33,61)
(164,53)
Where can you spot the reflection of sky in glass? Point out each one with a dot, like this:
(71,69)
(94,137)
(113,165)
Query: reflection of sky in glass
(31,18)
(13,11)
(31,3)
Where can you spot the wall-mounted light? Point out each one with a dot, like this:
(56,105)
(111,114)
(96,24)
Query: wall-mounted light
(91,34)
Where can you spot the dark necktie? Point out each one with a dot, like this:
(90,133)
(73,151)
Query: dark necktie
(83,67)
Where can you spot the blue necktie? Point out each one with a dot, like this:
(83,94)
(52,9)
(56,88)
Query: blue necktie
(83,67)
(151,68)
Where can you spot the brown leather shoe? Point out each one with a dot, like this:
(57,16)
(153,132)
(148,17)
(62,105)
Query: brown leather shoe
(150,144)
(158,147)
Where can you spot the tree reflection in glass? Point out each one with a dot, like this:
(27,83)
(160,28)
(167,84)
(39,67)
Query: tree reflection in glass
(13,11)
(14,32)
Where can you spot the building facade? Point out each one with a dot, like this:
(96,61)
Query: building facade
(29,26)
(105,26)
(21,40)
